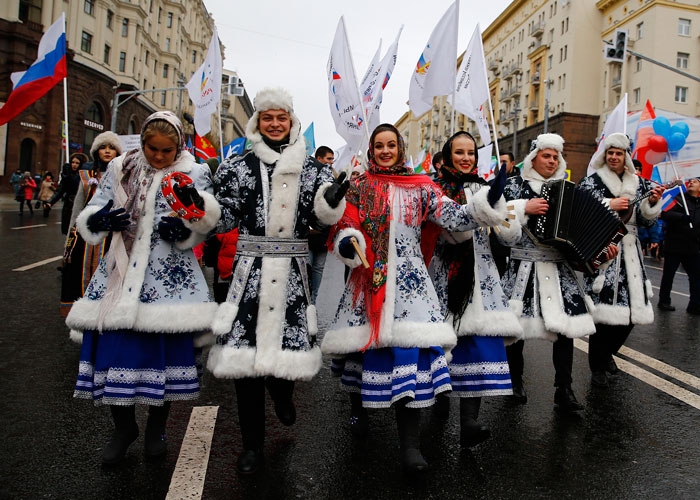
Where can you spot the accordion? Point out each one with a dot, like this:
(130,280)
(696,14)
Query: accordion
(577,224)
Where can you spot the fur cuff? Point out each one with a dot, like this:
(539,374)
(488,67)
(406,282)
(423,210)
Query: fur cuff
(201,228)
(519,209)
(343,233)
(76,336)
(485,214)
(509,235)
(647,211)
(204,339)
(326,214)
(81,223)
(223,320)
(312,320)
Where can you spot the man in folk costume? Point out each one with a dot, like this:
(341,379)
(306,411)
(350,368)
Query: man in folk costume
(540,283)
(621,289)
(266,329)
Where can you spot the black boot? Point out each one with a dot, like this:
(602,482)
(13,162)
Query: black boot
(250,399)
(472,432)
(519,395)
(566,400)
(442,406)
(408,422)
(125,432)
(156,445)
(359,423)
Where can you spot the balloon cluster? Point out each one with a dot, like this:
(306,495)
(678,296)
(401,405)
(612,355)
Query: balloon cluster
(667,138)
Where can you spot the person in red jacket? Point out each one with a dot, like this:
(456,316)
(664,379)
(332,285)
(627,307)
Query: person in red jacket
(26,192)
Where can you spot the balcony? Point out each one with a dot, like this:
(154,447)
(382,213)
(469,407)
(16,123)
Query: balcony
(616,82)
(534,105)
(537,29)
(534,47)
(511,70)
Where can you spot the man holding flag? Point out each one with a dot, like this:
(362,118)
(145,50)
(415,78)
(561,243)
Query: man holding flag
(682,246)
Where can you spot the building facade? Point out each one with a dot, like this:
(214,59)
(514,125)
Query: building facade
(547,72)
(145,50)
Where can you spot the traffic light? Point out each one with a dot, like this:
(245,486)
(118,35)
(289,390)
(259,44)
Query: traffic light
(616,52)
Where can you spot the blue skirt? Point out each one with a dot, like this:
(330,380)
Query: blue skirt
(384,376)
(479,367)
(124,367)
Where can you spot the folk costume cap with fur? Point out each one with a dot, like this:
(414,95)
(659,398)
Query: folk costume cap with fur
(620,141)
(272,98)
(104,139)
(545,141)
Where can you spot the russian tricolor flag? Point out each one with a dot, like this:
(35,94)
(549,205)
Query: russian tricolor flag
(668,199)
(49,68)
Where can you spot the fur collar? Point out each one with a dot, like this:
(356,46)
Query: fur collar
(625,186)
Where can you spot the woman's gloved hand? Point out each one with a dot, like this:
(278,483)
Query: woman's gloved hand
(173,229)
(346,248)
(497,186)
(106,219)
(336,191)
(188,195)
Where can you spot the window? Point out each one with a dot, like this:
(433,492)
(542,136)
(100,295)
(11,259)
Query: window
(147,55)
(637,95)
(122,61)
(638,64)
(155,66)
(108,49)
(563,81)
(86,43)
(110,18)
(194,56)
(89,7)
(169,21)
(162,98)
(125,27)
(160,13)
(167,44)
(684,27)
(566,51)
(551,35)
(549,61)
(93,114)
(165,71)
(30,10)
(681,94)
(682,60)
(640,31)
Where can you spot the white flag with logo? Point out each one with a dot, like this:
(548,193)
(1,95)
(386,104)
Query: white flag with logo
(434,74)
(204,87)
(381,79)
(472,86)
(616,122)
(343,92)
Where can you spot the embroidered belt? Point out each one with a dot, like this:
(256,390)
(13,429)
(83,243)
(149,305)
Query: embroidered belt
(265,246)
(539,254)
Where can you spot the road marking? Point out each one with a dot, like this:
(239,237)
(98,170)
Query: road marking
(678,271)
(673,291)
(191,468)
(663,385)
(38,264)
(27,227)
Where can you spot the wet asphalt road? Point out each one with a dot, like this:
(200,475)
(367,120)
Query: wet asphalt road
(632,441)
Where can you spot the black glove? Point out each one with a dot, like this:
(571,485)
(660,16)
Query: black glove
(106,219)
(346,248)
(188,195)
(336,191)
(497,186)
(173,229)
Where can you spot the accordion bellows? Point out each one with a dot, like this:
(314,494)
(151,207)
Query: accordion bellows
(577,224)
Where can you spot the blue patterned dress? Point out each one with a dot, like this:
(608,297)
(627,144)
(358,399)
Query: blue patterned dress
(141,349)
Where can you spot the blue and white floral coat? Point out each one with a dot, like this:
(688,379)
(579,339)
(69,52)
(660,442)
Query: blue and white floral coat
(267,326)
(487,313)
(164,289)
(412,315)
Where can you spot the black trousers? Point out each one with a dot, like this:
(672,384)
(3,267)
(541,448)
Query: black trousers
(562,357)
(691,264)
(250,398)
(605,342)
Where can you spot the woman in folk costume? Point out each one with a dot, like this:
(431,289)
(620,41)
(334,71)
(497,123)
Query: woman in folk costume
(266,329)
(389,325)
(469,287)
(67,189)
(148,300)
(620,289)
(541,284)
(80,259)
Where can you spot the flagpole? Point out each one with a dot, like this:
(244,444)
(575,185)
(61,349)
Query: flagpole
(65,103)
(221,135)
(685,203)
(454,87)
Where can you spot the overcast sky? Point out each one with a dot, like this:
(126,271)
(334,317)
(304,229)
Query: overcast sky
(286,43)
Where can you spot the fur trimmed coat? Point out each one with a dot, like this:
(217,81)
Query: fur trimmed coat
(546,296)
(163,290)
(621,289)
(267,326)
(412,315)
(487,313)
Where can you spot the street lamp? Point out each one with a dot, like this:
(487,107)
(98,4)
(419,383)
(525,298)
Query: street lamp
(516,111)
(548,83)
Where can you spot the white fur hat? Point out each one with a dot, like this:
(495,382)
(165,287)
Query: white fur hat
(273,98)
(617,140)
(545,141)
(103,139)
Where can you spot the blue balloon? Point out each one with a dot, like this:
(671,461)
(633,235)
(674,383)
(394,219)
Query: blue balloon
(676,141)
(662,126)
(682,128)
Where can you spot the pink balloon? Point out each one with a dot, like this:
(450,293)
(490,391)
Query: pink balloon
(653,157)
(658,143)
